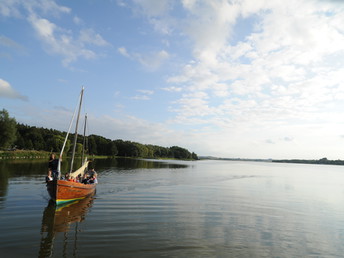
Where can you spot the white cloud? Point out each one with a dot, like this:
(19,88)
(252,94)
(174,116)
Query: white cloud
(44,28)
(144,95)
(62,42)
(11,44)
(141,97)
(157,14)
(147,92)
(57,40)
(272,92)
(6,91)
(77,20)
(210,27)
(89,36)
(273,73)
(123,51)
(154,7)
(260,72)
(286,70)
(133,129)
(173,89)
(4,41)
(10,8)
(151,61)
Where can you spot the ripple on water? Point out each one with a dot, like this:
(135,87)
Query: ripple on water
(210,209)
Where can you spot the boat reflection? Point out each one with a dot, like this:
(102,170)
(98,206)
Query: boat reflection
(60,218)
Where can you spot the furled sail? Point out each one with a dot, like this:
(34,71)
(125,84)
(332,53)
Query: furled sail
(80,171)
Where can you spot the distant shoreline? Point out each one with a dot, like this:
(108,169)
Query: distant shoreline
(26,154)
(323,161)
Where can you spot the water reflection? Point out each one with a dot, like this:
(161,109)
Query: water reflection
(130,163)
(22,168)
(37,169)
(17,168)
(62,219)
(208,209)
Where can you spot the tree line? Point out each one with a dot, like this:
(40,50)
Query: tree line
(323,161)
(24,137)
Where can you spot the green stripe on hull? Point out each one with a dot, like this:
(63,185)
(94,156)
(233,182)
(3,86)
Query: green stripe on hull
(66,201)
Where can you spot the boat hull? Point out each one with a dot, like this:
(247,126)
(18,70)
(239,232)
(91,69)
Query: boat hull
(62,191)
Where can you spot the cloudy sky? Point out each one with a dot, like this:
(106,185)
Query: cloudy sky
(228,78)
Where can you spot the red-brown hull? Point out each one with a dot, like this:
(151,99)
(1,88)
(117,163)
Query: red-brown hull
(62,191)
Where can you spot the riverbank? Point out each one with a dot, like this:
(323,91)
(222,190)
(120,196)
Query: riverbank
(27,154)
(24,154)
(32,154)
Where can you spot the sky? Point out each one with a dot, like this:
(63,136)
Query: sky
(226,78)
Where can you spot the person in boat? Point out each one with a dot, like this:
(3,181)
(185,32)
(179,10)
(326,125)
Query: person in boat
(49,176)
(72,179)
(85,179)
(94,179)
(53,164)
(66,177)
(92,172)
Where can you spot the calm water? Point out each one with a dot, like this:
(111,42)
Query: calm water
(177,209)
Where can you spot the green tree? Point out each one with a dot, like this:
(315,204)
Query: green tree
(111,148)
(142,150)
(55,144)
(194,156)
(35,136)
(20,143)
(92,145)
(28,144)
(180,153)
(78,149)
(8,129)
(31,137)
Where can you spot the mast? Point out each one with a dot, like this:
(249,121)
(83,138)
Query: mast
(65,141)
(83,144)
(76,130)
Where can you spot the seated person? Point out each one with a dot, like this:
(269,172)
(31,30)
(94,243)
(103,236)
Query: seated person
(86,179)
(66,177)
(49,176)
(71,179)
(93,179)
(91,172)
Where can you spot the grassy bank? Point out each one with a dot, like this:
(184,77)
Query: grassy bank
(24,154)
(27,154)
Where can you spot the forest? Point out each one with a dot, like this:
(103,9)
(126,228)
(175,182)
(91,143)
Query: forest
(323,161)
(14,135)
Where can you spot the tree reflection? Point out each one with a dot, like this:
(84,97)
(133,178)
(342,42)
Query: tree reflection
(130,163)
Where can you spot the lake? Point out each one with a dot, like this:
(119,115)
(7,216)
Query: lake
(151,208)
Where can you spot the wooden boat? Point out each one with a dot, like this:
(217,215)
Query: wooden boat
(64,191)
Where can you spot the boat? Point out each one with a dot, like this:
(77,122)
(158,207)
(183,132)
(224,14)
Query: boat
(64,191)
